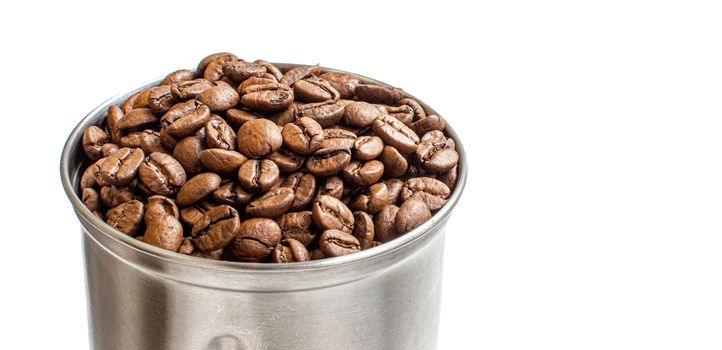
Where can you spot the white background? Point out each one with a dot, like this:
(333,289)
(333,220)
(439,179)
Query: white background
(591,218)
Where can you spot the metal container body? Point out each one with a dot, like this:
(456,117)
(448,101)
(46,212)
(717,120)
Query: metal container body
(143,297)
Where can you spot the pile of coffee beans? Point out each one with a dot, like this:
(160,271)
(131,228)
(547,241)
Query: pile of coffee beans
(244,161)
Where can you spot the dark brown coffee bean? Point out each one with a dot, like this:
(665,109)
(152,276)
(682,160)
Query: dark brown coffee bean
(268,97)
(450,177)
(255,241)
(178,76)
(379,94)
(313,89)
(220,56)
(165,232)
(290,250)
(114,115)
(188,153)
(416,107)
(331,186)
(137,100)
(271,69)
(432,192)
(220,135)
(286,160)
(437,157)
(138,119)
(191,215)
(160,99)
(238,117)
(304,136)
(218,227)
(343,83)
(272,204)
(108,149)
(374,198)
(297,73)
(368,147)
(395,164)
(147,140)
(326,113)
(331,213)
(432,122)
(113,196)
(93,139)
(189,89)
(259,137)
(220,97)
(197,188)
(120,167)
(394,187)
(159,206)
(396,134)
(298,226)
(91,173)
(360,114)
(232,194)
(338,243)
(304,188)
(384,223)
(338,138)
(126,217)
(403,113)
(328,161)
(239,71)
(412,213)
(363,229)
(258,175)
(161,174)
(222,161)
(184,119)
(363,173)
(91,199)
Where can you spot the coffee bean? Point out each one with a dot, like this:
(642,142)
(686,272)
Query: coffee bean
(328,161)
(185,118)
(258,175)
(189,89)
(360,114)
(191,215)
(378,94)
(197,188)
(304,136)
(91,199)
(330,213)
(394,187)
(220,97)
(317,254)
(138,119)
(88,179)
(363,229)
(271,69)
(188,153)
(108,149)
(297,73)
(290,250)
(363,173)
(403,113)
(238,117)
(412,213)
(147,140)
(255,241)
(126,217)
(416,107)
(303,187)
(178,76)
(432,192)
(272,204)
(298,226)
(384,223)
(331,186)
(394,163)
(432,122)
(161,174)
(396,134)
(434,136)
(216,229)
(436,157)
(164,232)
(326,113)
(239,71)
(267,97)
(259,137)
(137,100)
(375,198)
(159,206)
(114,115)
(286,160)
(338,243)
(113,196)
(343,83)
(220,56)
(232,194)
(338,138)
(222,161)
(368,147)
(160,99)
(93,139)
(120,167)
(450,177)
(313,89)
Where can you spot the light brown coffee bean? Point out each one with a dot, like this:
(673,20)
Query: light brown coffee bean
(185,118)
(394,187)
(160,99)
(219,56)
(178,76)
(304,188)
(363,173)
(113,196)
(368,147)
(93,139)
(304,136)
(91,199)
(287,161)
(290,250)
(188,153)
(338,138)
(161,174)
(258,175)
(343,83)
(216,229)
(338,243)
(297,73)
(374,198)
(232,194)
(330,213)
(255,241)
(108,149)
(126,217)
(314,89)
(437,157)
(416,107)
(159,206)
(432,192)
(197,188)
(412,213)
(114,115)
(138,119)
(430,123)
(395,164)
(272,204)
(363,229)
(396,134)
(165,232)
(147,140)
(259,137)
(378,94)
(331,186)
(220,97)
(120,167)
(220,135)
(328,161)
(269,97)
(222,161)
(298,226)
(384,223)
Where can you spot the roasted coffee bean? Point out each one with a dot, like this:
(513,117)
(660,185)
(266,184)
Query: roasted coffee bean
(93,139)
(137,100)
(430,123)
(197,188)
(304,136)
(384,223)
(362,173)
(114,115)
(416,107)
(147,140)
(368,147)
(88,179)
(326,113)
(191,215)
(450,177)
(232,194)
(331,213)
(313,89)
(297,73)
(434,136)
(239,71)
(267,97)
(286,160)
(396,134)
(290,250)
(272,204)
(374,198)
(255,241)
(160,99)
(91,199)
(363,229)
(395,164)
(161,174)
(338,243)
(164,232)
(218,227)
(259,137)
(360,114)
(220,135)
(113,196)
(214,70)
(178,76)
(184,119)
(432,192)
(298,226)
(338,138)
(187,247)
(138,119)
(343,83)
(258,175)
(108,149)
(222,161)
(403,113)
(271,69)
(120,167)
(220,97)
(188,153)
(303,186)
(159,206)
(189,89)
(238,117)
(219,56)
(328,161)
(378,94)
(331,186)
(412,213)
(436,157)
(394,188)
(317,254)
(126,217)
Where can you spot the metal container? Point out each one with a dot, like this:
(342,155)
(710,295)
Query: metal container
(143,297)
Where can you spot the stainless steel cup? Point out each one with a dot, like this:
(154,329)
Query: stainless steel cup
(143,297)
